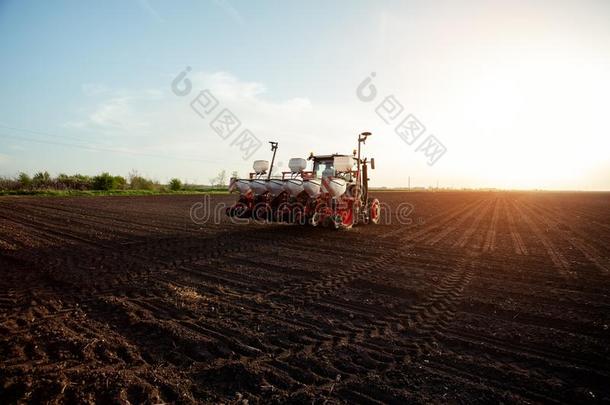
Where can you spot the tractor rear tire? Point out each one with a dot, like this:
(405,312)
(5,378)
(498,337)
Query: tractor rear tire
(347,219)
(374,211)
(240,210)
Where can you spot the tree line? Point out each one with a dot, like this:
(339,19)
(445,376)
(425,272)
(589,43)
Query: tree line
(102,182)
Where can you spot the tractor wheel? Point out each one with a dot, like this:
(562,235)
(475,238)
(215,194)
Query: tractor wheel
(263,213)
(240,210)
(331,221)
(337,222)
(374,211)
(346,219)
(315,219)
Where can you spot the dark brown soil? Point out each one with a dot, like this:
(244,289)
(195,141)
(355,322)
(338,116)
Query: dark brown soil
(474,298)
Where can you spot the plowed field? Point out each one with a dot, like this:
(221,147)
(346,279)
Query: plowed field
(475,297)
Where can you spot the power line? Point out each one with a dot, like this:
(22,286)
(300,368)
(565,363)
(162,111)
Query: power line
(96,148)
(31,131)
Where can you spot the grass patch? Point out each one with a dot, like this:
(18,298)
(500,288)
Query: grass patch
(95,193)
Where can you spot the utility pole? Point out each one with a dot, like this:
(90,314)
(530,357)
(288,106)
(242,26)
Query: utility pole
(409,184)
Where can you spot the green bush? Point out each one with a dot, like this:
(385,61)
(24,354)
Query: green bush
(141,183)
(25,181)
(119,183)
(175,184)
(41,179)
(103,182)
(75,182)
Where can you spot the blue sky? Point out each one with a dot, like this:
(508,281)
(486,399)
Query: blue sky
(515,91)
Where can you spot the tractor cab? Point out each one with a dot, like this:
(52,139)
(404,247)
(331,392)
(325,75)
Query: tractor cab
(343,166)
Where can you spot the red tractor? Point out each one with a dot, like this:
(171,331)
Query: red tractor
(334,193)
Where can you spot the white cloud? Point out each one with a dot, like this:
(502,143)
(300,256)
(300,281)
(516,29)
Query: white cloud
(227,86)
(120,112)
(158,122)
(117,113)
(158,113)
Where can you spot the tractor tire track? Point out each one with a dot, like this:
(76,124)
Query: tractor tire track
(518,243)
(461,242)
(453,226)
(558,259)
(490,237)
(432,223)
(574,237)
